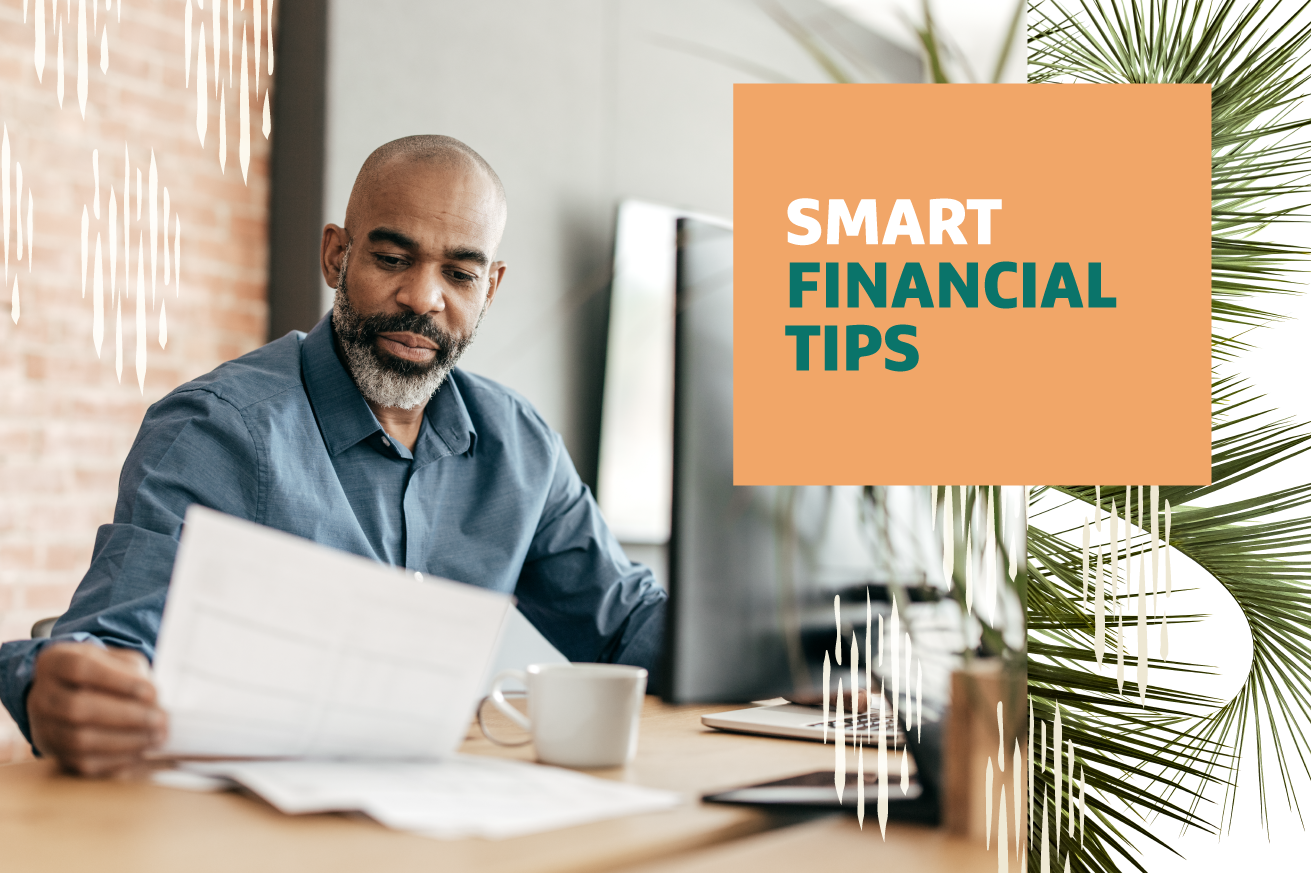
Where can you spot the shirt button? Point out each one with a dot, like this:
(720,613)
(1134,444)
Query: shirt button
(386,442)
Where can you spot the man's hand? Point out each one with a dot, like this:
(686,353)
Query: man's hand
(93,709)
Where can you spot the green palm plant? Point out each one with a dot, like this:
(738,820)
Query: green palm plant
(1165,760)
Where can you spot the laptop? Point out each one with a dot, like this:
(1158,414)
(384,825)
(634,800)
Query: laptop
(795,721)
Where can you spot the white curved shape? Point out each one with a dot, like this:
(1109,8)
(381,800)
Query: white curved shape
(837,623)
(18,207)
(839,746)
(243,114)
(164,224)
(14,308)
(987,804)
(269,31)
(113,245)
(258,21)
(83,73)
(216,35)
(223,130)
(141,313)
(268,119)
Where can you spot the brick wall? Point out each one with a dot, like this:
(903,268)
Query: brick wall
(66,419)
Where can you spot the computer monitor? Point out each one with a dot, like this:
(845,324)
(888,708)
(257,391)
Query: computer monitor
(753,570)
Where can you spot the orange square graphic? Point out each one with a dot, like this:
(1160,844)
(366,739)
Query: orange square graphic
(1006,284)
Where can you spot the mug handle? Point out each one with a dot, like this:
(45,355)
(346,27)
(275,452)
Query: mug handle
(499,701)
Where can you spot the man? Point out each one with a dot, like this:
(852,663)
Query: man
(360,435)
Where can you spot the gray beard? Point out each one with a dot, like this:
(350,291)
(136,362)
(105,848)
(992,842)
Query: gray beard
(384,379)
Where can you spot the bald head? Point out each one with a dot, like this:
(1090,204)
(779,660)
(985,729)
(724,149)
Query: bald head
(392,162)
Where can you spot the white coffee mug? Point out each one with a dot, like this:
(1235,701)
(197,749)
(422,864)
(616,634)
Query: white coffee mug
(579,715)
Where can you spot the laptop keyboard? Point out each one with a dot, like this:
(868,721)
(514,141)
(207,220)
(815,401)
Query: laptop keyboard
(862,722)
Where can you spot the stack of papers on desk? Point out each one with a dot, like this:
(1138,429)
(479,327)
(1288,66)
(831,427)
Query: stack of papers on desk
(354,683)
(463,796)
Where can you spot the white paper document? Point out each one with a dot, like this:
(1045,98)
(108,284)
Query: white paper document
(461,796)
(274,646)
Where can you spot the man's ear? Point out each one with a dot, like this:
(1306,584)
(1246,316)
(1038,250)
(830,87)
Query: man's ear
(494,279)
(331,249)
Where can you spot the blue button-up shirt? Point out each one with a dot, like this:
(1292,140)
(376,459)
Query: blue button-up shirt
(282,437)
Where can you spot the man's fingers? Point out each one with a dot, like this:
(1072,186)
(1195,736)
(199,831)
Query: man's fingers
(90,742)
(88,666)
(100,765)
(87,707)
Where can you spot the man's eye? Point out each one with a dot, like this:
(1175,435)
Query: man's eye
(459,276)
(390,261)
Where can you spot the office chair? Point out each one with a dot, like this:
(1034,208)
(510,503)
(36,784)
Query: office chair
(41,629)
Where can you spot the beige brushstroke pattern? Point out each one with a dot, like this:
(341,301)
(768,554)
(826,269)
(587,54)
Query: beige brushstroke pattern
(217,36)
(1099,610)
(1169,586)
(223,131)
(1030,762)
(1001,738)
(860,787)
(1156,545)
(1069,779)
(86,242)
(4,204)
(919,700)
(186,42)
(1044,851)
(268,119)
(15,310)
(202,91)
(894,639)
(258,22)
(230,46)
(1057,748)
(1083,804)
(98,301)
(855,682)
(987,804)
(29,231)
(269,32)
(869,667)
(1013,549)
(1119,648)
(1142,629)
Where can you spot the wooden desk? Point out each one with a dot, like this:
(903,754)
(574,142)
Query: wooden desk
(49,821)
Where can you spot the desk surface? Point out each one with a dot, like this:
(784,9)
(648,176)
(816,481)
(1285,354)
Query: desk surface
(51,821)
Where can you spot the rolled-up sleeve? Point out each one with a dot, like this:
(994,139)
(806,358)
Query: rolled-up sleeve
(579,588)
(193,447)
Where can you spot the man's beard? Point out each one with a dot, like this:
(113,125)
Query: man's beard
(383,378)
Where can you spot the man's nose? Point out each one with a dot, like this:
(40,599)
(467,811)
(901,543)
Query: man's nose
(423,292)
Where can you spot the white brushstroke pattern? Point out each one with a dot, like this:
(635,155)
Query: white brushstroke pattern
(869,663)
(1013,550)
(1142,629)
(1097,508)
(1085,560)
(990,556)
(1001,737)
(202,92)
(258,22)
(15,310)
(243,114)
(269,32)
(839,745)
(217,37)
(860,787)
(969,565)
(910,710)
(1165,630)
(268,119)
(1083,804)
(987,804)
(826,685)
(1003,854)
(1057,748)
(1119,647)
(164,225)
(894,638)
(837,625)
(127,236)
(39,51)
(1156,550)
(229,43)
(1030,817)
(186,41)
(113,245)
(948,537)
(919,700)
(98,301)
(1044,851)
(83,73)
(59,65)
(18,208)
(883,770)
(1099,610)
(855,680)
(141,313)
(4,202)
(1016,792)
(223,130)
(1069,771)
(153,212)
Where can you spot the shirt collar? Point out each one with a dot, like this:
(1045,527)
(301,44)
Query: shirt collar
(345,418)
